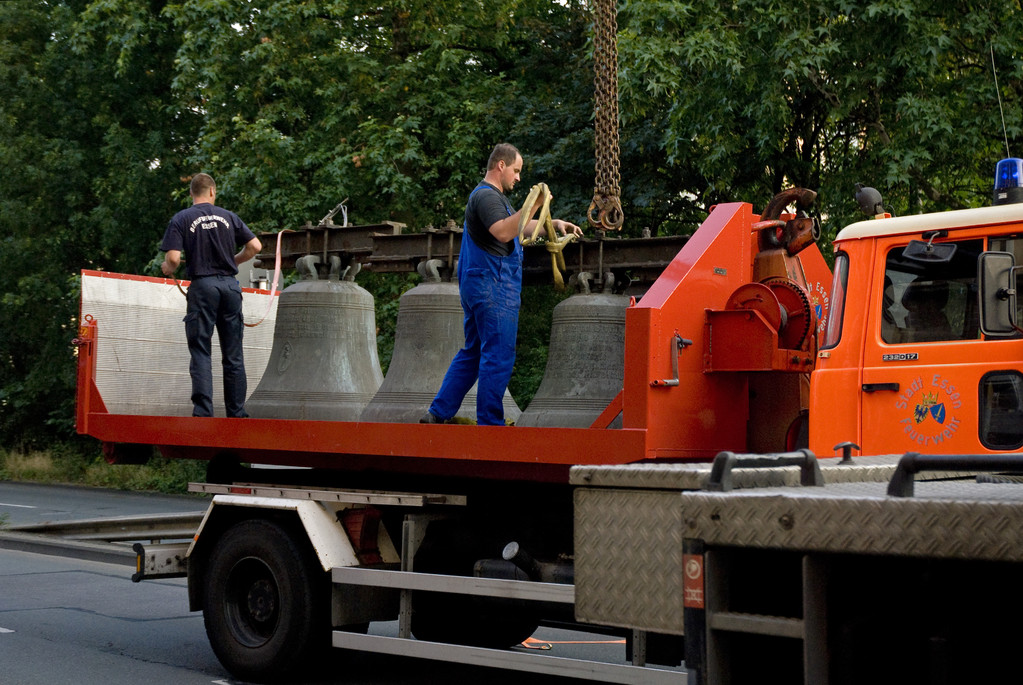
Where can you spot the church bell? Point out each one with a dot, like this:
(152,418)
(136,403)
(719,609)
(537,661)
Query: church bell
(428,333)
(586,358)
(323,365)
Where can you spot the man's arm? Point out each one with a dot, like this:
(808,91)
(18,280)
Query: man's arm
(250,250)
(508,228)
(171,262)
(533,226)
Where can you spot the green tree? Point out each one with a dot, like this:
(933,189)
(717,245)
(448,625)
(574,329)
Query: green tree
(90,152)
(756,95)
(392,105)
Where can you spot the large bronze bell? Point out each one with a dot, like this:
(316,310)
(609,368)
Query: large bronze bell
(324,364)
(586,358)
(428,333)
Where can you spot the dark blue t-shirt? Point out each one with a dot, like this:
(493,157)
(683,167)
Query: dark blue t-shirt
(485,207)
(209,236)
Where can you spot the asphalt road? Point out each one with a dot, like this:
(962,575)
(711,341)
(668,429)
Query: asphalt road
(66,620)
(26,503)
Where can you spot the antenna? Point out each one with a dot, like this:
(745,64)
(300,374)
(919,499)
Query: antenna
(1008,172)
(998,92)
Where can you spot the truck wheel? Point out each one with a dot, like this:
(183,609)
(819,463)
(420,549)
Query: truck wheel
(264,609)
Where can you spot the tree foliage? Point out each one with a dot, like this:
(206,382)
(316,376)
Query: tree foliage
(108,106)
(392,105)
(88,145)
(758,95)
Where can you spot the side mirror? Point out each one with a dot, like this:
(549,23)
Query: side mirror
(996,273)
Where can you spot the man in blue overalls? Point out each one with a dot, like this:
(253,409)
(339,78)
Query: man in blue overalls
(490,282)
(209,236)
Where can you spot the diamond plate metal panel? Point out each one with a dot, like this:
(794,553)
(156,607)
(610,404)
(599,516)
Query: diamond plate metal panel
(629,530)
(944,520)
(656,476)
(628,559)
(141,352)
(694,476)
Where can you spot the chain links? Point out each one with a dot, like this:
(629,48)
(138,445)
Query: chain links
(605,212)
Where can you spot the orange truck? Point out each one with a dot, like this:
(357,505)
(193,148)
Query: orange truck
(921,352)
(472,536)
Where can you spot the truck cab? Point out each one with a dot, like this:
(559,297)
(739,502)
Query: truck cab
(913,358)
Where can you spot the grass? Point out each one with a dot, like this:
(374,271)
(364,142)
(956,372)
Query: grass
(65,464)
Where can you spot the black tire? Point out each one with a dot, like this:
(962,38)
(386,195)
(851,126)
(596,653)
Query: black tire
(265,602)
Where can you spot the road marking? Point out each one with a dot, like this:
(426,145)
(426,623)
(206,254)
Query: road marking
(6,630)
(19,506)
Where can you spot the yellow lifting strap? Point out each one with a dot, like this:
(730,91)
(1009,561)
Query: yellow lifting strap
(555,245)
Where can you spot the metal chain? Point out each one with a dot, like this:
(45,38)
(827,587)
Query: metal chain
(605,211)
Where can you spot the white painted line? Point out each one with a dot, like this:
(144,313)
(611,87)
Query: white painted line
(6,630)
(19,506)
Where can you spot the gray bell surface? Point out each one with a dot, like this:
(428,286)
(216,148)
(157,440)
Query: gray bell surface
(324,364)
(585,360)
(429,332)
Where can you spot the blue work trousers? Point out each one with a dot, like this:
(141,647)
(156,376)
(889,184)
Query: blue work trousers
(216,302)
(490,295)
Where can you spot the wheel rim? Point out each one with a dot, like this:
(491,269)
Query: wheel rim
(252,602)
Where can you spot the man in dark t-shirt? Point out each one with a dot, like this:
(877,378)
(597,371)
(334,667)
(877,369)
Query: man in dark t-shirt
(490,285)
(483,210)
(209,236)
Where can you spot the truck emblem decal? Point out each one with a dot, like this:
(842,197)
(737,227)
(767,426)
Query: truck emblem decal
(930,423)
(929,405)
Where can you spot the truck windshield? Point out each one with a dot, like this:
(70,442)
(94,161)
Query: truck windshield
(928,302)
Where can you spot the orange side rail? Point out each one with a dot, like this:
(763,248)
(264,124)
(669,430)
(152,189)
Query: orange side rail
(88,399)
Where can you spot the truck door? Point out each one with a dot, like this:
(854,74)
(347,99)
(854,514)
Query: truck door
(924,358)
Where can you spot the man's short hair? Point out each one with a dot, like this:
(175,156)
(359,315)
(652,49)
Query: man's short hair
(200,184)
(503,152)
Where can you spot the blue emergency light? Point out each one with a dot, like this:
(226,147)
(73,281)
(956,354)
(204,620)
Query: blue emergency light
(1008,178)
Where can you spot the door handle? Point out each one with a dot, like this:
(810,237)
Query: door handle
(874,387)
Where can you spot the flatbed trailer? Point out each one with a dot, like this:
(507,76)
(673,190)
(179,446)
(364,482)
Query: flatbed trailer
(688,358)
